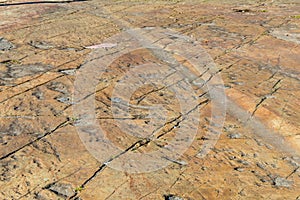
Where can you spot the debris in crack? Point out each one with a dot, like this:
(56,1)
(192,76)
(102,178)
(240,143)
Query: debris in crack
(68,71)
(103,45)
(242,10)
(172,197)
(179,162)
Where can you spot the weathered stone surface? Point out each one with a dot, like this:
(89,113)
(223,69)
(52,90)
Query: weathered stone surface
(43,46)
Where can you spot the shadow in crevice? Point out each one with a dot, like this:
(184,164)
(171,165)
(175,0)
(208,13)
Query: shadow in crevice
(39,2)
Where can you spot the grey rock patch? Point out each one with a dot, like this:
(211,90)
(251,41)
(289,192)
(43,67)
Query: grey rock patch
(64,99)
(261,165)
(292,161)
(58,87)
(38,94)
(234,136)
(244,162)
(282,182)
(284,34)
(5,45)
(18,71)
(62,189)
(17,127)
(41,45)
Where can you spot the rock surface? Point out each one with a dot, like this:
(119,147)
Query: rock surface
(253,44)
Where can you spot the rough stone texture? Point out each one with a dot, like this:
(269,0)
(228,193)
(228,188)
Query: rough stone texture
(255,44)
